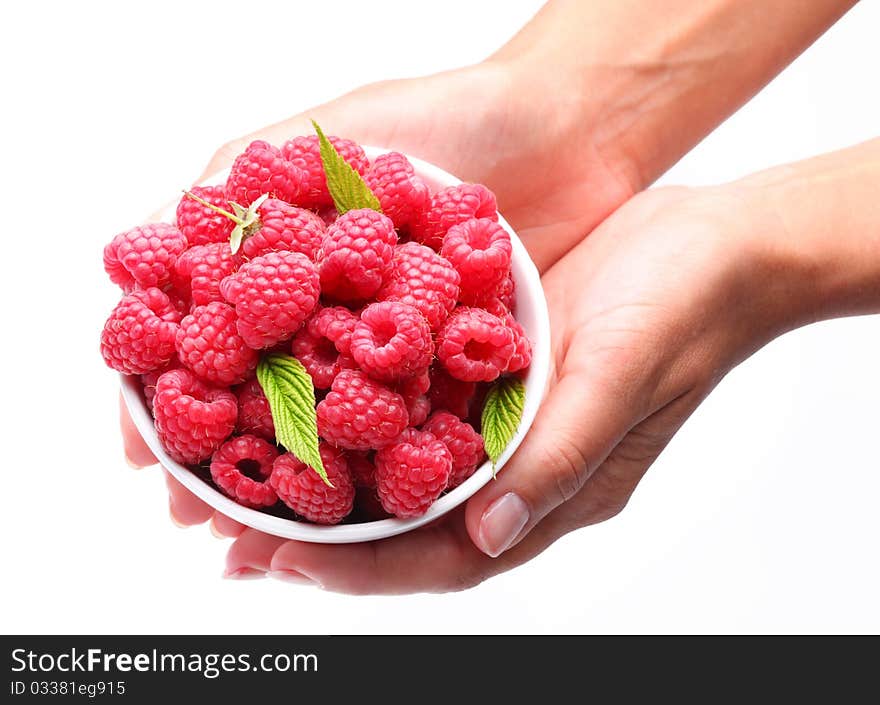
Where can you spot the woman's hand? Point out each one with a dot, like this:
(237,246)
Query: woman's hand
(648,314)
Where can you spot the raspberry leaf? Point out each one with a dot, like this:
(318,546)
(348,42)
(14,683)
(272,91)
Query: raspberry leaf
(502,413)
(348,190)
(291,395)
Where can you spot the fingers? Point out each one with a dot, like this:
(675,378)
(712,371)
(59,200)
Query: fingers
(185,508)
(579,424)
(436,558)
(250,555)
(137,453)
(225,528)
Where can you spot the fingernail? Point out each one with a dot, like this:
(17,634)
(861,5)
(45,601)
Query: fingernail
(290,576)
(130,463)
(244,574)
(501,523)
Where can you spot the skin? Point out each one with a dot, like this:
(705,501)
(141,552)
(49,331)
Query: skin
(672,288)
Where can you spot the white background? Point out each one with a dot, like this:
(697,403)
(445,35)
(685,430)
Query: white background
(761,515)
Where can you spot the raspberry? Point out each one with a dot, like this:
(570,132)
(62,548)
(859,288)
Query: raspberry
(369,508)
(392,341)
(418,409)
(474,345)
(260,169)
(412,472)
(360,414)
(241,468)
(144,256)
(451,206)
(273,294)
(522,351)
(507,293)
(402,195)
(480,251)
(464,443)
(363,472)
(450,394)
(317,352)
(202,225)
(192,418)
(305,154)
(302,489)
(355,257)
(336,323)
(328,214)
(208,343)
(254,414)
(199,270)
(149,379)
(422,278)
(284,227)
(138,337)
(413,391)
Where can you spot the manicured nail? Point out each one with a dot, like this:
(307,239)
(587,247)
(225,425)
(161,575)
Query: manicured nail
(501,523)
(244,574)
(291,576)
(130,463)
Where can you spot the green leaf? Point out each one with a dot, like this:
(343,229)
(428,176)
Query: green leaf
(291,395)
(348,189)
(502,414)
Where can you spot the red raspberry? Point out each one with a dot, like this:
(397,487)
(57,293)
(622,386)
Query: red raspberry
(138,336)
(149,379)
(522,351)
(199,270)
(451,206)
(450,394)
(192,418)
(363,472)
(208,343)
(305,153)
(328,214)
(369,508)
(480,251)
(144,256)
(282,226)
(413,391)
(422,278)
(507,293)
(254,414)
(355,257)
(464,443)
(317,351)
(273,294)
(200,224)
(402,195)
(241,468)
(474,345)
(260,169)
(336,323)
(392,341)
(303,490)
(360,413)
(412,472)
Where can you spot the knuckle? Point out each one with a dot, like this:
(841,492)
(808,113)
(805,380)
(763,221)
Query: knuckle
(569,468)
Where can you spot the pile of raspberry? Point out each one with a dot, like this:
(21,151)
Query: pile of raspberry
(402,319)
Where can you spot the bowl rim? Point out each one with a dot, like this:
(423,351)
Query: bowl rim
(528,282)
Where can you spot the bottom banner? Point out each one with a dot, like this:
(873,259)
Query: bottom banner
(410,669)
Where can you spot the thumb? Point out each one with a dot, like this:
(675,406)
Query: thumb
(577,427)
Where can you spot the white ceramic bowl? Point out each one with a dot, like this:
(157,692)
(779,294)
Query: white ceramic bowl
(531,312)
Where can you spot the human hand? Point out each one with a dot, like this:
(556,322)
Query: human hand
(648,314)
